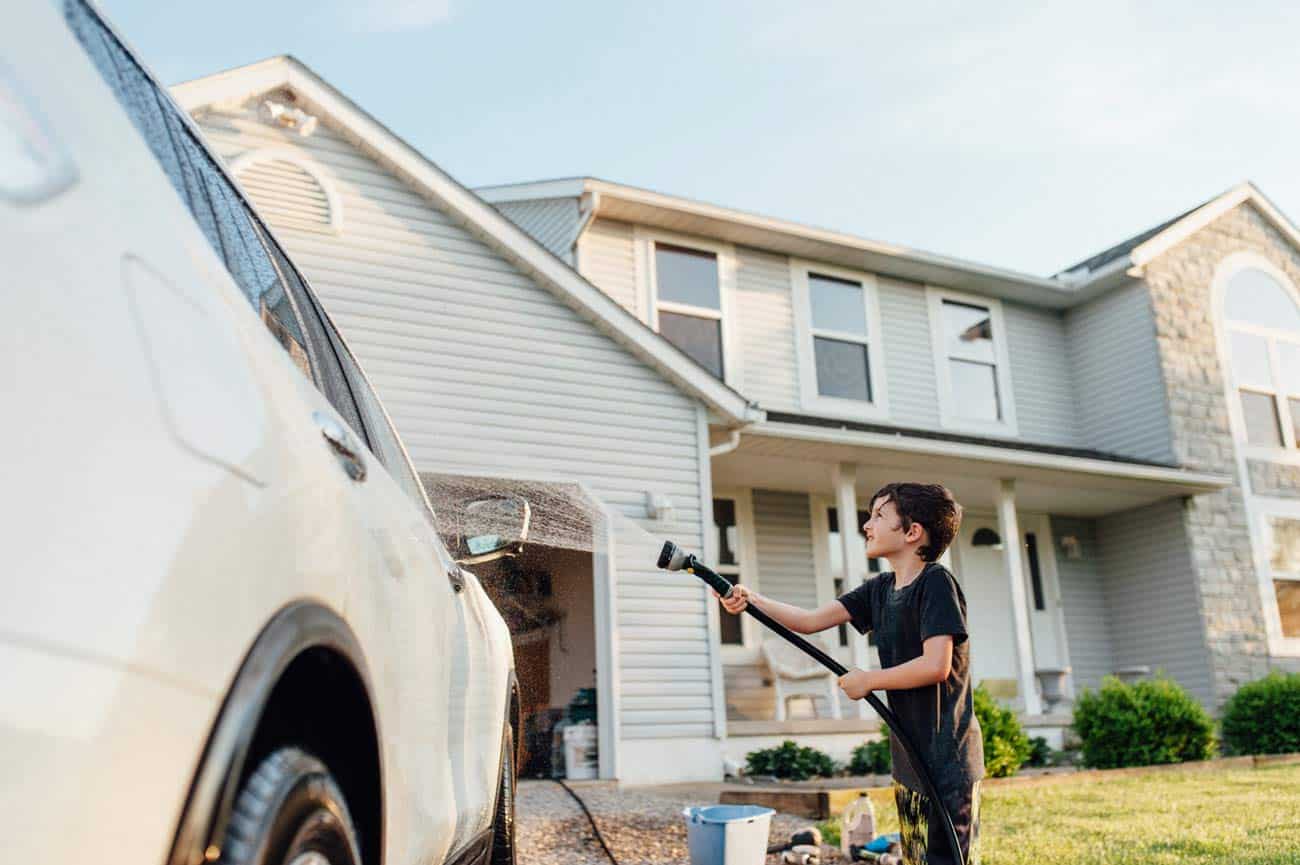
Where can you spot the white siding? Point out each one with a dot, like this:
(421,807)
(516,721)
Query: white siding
(783,538)
(552,221)
(1083,603)
(1040,375)
(1119,390)
(483,371)
(606,258)
(1152,597)
(909,362)
(766,330)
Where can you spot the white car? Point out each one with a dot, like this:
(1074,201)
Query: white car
(228,630)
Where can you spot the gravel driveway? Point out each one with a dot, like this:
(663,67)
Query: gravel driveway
(641,827)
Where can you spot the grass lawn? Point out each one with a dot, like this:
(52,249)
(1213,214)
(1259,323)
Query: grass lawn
(1238,816)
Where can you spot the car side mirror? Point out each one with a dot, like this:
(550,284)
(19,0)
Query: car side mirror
(493,527)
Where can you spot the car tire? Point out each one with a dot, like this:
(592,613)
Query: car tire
(503,823)
(290,811)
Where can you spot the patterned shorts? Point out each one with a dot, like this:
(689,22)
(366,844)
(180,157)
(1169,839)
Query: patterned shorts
(924,840)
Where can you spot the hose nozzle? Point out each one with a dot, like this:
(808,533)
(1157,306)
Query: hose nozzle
(672,557)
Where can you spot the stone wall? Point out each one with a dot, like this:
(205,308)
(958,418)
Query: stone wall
(1179,283)
(1274,479)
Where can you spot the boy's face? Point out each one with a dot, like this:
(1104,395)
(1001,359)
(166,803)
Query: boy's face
(884,530)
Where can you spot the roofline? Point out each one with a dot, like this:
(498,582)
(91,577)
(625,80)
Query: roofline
(524,251)
(1190,481)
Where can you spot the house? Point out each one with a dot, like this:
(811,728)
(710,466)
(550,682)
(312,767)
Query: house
(658,367)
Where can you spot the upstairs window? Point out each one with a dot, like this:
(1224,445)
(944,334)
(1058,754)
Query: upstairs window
(971,363)
(1284,567)
(839,345)
(1262,322)
(688,303)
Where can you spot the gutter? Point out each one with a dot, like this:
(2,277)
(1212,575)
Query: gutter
(588,204)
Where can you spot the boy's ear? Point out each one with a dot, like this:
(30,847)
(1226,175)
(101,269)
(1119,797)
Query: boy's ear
(915,532)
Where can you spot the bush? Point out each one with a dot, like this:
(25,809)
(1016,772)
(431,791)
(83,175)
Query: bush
(789,760)
(1006,746)
(1263,717)
(1040,753)
(871,758)
(1144,724)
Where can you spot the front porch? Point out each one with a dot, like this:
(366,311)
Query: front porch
(1039,557)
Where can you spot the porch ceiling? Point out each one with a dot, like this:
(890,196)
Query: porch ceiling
(800,458)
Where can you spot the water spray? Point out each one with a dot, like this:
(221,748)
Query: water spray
(673,558)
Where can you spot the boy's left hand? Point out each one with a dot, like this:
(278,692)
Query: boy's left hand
(856,684)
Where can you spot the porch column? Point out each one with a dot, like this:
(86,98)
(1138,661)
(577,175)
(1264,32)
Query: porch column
(855,562)
(1012,544)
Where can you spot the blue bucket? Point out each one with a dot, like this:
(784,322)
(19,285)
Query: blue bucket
(728,834)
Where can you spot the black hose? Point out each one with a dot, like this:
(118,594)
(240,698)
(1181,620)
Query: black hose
(672,556)
(590,819)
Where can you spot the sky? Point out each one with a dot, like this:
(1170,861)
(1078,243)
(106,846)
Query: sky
(1023,135)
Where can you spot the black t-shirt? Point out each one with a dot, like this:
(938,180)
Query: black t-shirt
(940,718)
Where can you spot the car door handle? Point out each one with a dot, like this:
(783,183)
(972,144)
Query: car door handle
(343,443)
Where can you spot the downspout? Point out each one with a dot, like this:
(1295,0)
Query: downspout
(587,206)
(726,447)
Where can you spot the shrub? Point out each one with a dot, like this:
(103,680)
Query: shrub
(830,830)
(1144,724)
(789,760)
(1040,753)
(1006,746)
(871,758)
(1263,717)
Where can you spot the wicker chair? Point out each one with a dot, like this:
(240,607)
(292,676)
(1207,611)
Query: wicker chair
(794,674)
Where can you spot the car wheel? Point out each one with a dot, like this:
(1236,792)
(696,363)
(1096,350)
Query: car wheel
(291,812)
(503,824)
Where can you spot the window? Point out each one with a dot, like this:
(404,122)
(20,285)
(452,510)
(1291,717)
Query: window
(728,534)
(835,562)
(839,345)
(971,362)
(1284,567)
(219,210)
(1262,323)
(688,303)
(1035,571)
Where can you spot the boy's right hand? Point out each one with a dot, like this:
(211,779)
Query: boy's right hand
(736,601)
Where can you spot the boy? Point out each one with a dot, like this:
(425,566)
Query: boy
(918,614)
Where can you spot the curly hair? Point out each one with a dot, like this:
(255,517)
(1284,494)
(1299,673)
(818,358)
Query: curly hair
(930,505)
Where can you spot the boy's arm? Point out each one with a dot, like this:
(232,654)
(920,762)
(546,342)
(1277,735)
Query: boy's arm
(797,619)
(933,666)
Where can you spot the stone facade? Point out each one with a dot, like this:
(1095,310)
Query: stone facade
(1274,479)
(1179,283)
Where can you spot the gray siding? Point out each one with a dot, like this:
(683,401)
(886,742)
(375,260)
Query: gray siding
(909,361)
(1153,601)
(606,258)
(1119,390)
(552,221)
(484,372)
(1083,603)
(783,537)
(766,329)
(1040,375)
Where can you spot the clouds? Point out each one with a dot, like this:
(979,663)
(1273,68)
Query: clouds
(397,16)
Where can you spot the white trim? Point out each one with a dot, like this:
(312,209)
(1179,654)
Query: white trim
(751,636)
(1007,426)
(1190,482)
(1203,216)
(1259,508)
(323,176)
(810,399)
(1041,526)
(649,305)
(565,187)
(1013,544)
(609,691)
(709,548)
(481,218)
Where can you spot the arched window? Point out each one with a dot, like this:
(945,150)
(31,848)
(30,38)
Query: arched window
(1262,322)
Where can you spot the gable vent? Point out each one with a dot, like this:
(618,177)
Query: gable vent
(289,191)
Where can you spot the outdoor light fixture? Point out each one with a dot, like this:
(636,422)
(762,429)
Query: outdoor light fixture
(1071,546)
(986,537)
(658,506)
(279,114)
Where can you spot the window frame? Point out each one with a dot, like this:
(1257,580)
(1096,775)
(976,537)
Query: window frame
(810,398)
(1267,511)
(747,652)
(1289,452)
(648,304)
(1008,425)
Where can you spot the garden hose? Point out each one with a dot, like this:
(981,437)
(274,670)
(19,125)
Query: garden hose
(673,558)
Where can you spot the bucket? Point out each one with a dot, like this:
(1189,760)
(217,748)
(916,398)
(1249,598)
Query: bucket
(728,834)
(580,758)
